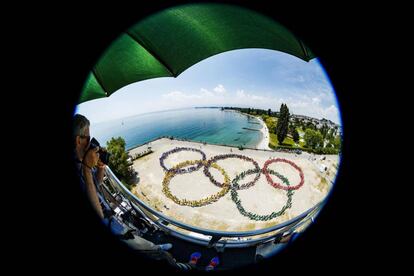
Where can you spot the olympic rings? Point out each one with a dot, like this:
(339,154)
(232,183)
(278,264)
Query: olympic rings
(195,203)
(181,171)
(277,185)
(225,156)
(225,186)
(252,216)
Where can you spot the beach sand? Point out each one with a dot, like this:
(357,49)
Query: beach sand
(264,143)
(223,214)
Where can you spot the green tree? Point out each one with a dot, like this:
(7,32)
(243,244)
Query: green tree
(310,125)
(313,138)
(337,142)
(329,135)
(292,128)
(295,136)
(282,123)
(324,131)
(118,160)
(271,124)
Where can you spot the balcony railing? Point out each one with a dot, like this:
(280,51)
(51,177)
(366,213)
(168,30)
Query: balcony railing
(208,237)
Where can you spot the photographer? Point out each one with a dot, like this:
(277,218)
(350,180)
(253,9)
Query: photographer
(93,171)
(90,163)
(89,168)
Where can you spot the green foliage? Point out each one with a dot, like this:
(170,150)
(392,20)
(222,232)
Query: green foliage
(324,131)
(273,142)
(309,125)
(282,123)
(295,135)
(337,142)
(313,139)
(271,124)
(118,161)
(325,151)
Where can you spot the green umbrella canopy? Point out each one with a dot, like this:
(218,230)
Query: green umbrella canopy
(167,43)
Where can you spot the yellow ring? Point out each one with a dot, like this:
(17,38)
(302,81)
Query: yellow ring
(194,203)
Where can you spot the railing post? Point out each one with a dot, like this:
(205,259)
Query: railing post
(213,241)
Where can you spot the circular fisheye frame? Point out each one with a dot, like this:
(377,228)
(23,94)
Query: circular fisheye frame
(206,128)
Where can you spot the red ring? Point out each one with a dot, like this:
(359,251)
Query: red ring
(278,185)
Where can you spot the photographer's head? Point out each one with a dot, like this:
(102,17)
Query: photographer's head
(81,135)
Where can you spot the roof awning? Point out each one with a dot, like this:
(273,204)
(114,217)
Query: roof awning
(169,42)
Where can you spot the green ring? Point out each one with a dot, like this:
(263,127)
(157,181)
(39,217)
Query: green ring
(253,216)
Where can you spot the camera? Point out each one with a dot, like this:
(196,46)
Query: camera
(103,154)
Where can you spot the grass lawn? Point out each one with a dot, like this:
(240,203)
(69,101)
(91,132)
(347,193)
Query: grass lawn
(287,142)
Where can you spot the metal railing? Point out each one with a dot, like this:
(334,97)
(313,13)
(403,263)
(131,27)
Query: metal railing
(207,237)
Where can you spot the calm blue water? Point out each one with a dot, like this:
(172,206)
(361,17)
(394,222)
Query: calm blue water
(210,125)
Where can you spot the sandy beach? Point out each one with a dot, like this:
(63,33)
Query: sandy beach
(264,143)
(261,199)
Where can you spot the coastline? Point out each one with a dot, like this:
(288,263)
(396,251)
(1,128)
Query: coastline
(261,144)
(264,142)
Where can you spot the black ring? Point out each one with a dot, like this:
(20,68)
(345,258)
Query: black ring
(233,155)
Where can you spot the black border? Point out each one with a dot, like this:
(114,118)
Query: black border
(73,37)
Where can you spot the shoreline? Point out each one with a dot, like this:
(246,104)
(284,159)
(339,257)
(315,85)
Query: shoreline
(264,142)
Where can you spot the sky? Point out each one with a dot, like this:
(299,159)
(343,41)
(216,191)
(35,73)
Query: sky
(256,78)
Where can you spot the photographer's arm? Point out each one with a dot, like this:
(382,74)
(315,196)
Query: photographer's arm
(91,191)
(90,160)
(100,172)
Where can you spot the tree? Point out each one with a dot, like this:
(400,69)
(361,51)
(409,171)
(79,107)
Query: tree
(269,112)
(271,124)
(329,135)
(313,139)
(295,136)
(324,130)
(310,125)
(282,123)
(337,142)
(292,128)
(118,160)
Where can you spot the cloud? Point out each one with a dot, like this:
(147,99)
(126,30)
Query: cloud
(240,94)
(181,96)
(297,78)
(173,95)
(301,103)
(243,95)
(316,100)
(219,89)
(206,93)
(331,112)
